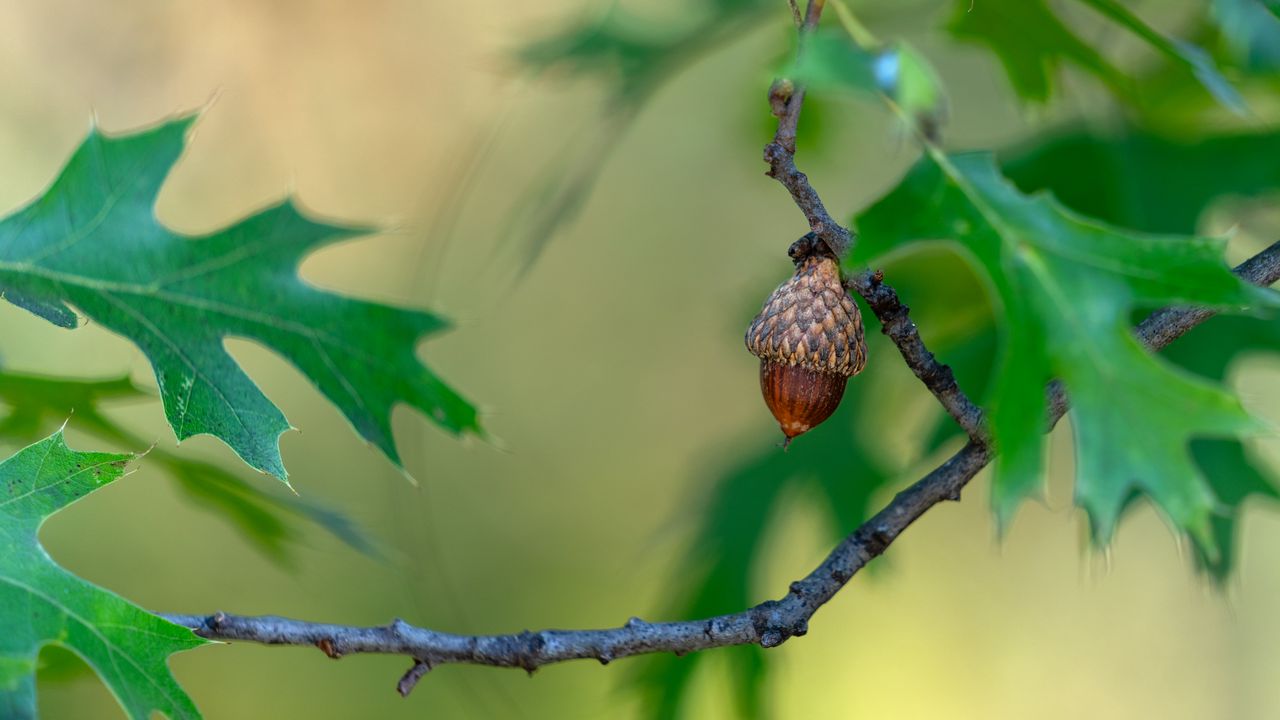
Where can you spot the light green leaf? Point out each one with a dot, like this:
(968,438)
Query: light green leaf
(33,404)
(831,60)
(1068,286)
(915,86)
(1195,59)
(92,241)
(900,72)
(1251,29)
(40,603)
(1032,43)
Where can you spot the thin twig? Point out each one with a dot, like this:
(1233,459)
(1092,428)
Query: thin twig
(895,321)
(785,99)
(795,13)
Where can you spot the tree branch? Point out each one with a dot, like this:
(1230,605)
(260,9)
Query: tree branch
(895,321)
(772,622)
(768,624)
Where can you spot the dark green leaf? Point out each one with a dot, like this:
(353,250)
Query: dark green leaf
(40,603)
(1067,286)
(1235,479)
(1144,181)
(92,241)
(1236,476)
(1160,185)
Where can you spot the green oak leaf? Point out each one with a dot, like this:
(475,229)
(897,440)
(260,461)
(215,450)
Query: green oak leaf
(92,242)
(1236,475)
(1032,44)
(41,604)
(1158,184)
(269,520)
(1194,59)
(1067,287)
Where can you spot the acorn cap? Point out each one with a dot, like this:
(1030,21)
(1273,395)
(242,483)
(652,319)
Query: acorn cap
(809,339)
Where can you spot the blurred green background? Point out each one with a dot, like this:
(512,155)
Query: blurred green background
(611,372)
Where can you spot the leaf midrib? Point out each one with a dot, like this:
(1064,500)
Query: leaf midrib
(105,287)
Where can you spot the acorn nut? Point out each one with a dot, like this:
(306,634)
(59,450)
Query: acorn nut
(809,339)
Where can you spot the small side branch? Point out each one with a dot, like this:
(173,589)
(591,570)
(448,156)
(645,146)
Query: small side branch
(895,321)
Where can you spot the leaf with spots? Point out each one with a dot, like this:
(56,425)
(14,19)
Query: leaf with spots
(1067,287)
(92,242)
(42,604)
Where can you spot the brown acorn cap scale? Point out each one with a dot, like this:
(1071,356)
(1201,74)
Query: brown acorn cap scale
(809,339)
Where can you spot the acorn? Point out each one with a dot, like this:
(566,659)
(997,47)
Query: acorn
(809,339)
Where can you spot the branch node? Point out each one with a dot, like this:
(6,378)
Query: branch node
(780,95)
(635,623)
(531,644)
(771,639)
(881,536)
(327,647)
(411,676)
